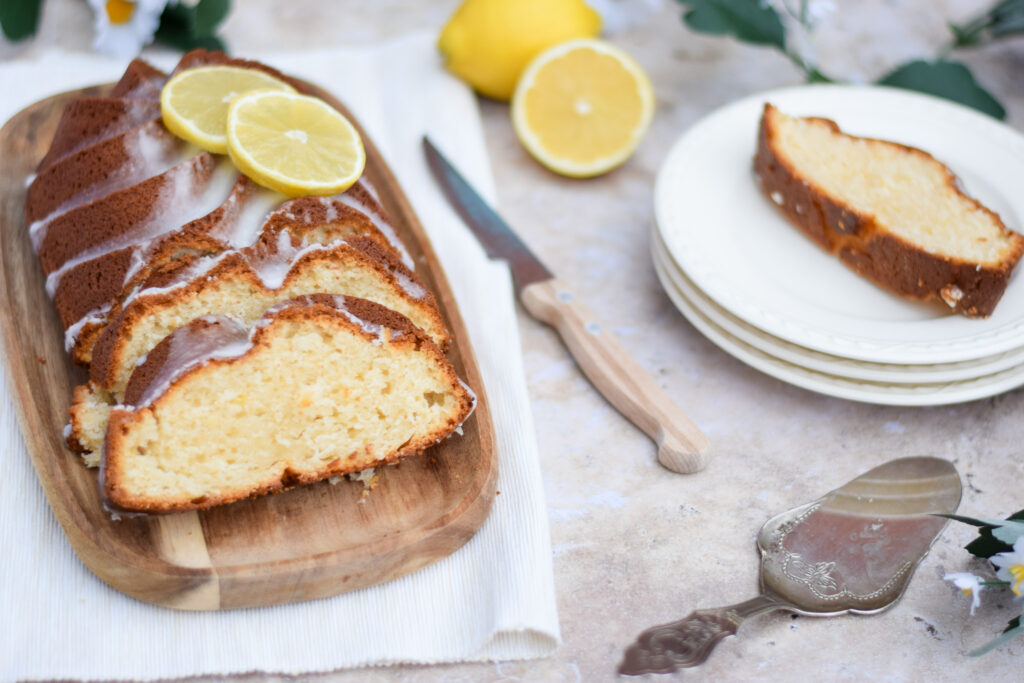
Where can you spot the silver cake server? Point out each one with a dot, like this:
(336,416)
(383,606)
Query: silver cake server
(851,552)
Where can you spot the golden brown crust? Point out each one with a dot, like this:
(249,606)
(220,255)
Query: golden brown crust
(115,215)
(140,81)
(972,289)
(76,424)
(91,118)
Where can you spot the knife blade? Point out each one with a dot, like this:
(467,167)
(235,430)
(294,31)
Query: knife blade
(682,447)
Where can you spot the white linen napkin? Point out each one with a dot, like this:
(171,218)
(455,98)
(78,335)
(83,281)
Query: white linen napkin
(491,600)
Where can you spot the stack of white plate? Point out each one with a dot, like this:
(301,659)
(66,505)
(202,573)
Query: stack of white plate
(762,291)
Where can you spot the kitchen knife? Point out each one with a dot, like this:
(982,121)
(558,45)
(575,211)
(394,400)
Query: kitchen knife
(682,447)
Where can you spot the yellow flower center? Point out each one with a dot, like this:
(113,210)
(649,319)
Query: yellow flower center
(120,11)
(1017,572)
(966,591)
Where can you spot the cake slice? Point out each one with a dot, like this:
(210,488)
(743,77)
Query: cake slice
(321,386)
(245,283)
(893,213)
(234,285)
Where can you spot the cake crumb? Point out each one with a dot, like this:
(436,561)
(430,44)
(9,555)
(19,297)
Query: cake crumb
(951,294)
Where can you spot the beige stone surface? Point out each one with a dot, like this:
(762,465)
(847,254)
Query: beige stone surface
(635,545)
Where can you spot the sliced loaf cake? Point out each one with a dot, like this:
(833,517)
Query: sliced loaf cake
(320,386)
(238,342)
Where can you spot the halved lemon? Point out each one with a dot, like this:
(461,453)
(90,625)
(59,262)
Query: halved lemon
(194,103)
(582,107)
(294,144)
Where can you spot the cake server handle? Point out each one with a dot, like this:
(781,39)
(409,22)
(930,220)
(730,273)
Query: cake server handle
(682,447)
(689,641)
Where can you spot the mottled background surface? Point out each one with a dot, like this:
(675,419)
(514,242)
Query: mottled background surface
(634,544)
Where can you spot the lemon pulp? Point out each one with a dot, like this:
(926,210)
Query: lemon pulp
(582,107)
(194,103)
(294,144)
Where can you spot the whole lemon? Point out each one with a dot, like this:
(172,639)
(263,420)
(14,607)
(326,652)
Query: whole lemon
(488,43)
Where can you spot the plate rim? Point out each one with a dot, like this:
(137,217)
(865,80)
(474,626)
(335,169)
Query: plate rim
(832,385)
(819,361)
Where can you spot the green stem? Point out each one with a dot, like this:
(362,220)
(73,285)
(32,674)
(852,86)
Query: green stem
(810,70)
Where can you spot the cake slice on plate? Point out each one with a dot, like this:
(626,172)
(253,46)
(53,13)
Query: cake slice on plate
(893,213)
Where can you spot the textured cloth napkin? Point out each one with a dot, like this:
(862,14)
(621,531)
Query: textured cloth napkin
(493,599)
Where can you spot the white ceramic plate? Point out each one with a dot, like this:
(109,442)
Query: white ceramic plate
(902,394)
(821,362)
(740,251)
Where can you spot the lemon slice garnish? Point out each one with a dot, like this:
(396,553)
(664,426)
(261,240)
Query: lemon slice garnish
(294,144)
(582,107)
(194,103)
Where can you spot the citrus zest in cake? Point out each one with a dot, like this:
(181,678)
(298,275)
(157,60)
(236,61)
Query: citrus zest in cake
(582,107)
(194,103)
(295,144)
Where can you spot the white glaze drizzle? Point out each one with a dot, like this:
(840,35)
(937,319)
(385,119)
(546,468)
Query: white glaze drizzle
(137,111)
(272,268)
(194,347)
(380,223)
(377,330)
(370,189)
(96,315)
(249,216)
(413,289)
(150,151)
(182,201)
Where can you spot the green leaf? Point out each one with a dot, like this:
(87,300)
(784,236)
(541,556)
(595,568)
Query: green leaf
(208,16)
(987,545)
(751,21)
(973,521)
(1009,532)
(1007,18)
(948,79)
(19,18)
(1011,632)
(186,28)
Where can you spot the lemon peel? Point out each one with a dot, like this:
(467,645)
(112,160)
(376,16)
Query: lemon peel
(488,43)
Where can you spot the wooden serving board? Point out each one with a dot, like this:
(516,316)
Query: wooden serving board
(309,542)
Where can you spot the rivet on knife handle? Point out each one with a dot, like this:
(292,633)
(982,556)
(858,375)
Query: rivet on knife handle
(626,385)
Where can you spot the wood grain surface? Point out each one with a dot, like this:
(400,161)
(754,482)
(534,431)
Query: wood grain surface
(682,446)
(301,544)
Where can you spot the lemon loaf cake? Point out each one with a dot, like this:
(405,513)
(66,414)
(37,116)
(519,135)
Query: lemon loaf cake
(167,265)
(285,414)
(892,213)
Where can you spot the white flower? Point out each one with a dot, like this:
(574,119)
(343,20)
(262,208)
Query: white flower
(1010,566)
(124,27)
(969,584)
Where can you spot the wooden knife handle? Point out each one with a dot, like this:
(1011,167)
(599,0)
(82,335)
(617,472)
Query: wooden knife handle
(627,386)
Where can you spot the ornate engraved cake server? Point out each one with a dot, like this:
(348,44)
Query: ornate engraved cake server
(852,551)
